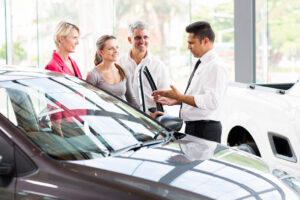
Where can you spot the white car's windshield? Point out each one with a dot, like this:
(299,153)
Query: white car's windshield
(71,120)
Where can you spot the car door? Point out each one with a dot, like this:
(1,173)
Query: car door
(144,70)
(7,172)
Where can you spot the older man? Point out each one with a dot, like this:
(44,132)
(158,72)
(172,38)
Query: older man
(139,56)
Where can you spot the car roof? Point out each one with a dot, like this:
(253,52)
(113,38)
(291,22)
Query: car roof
(10,72)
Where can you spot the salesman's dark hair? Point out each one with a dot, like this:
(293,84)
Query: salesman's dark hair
(201,29)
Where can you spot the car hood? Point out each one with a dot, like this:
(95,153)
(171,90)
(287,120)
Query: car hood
(202,167)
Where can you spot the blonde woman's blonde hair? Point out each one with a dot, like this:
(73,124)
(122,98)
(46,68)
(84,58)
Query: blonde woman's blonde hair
(63,29)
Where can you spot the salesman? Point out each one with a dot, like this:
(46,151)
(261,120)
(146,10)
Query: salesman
(202,99)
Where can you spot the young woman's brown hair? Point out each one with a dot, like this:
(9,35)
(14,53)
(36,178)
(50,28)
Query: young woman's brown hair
(100,46)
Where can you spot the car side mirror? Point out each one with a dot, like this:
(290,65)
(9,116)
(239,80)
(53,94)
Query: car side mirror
(4,168)
(170,122)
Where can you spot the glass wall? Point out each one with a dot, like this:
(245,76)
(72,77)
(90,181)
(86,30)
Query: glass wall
(2,33)
(167,20)
(93,17)
(277,40)
(220,13)
(26,38)
(30,34)
(22,32)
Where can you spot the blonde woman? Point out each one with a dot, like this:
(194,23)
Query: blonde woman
(66,39)
(107,74)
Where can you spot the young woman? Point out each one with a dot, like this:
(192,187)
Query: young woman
(107,74)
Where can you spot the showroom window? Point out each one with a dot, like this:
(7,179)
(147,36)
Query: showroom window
(221,16)
(93,17)
(30,36)
(21,32)
(2,32)
(277,40)
(167,21)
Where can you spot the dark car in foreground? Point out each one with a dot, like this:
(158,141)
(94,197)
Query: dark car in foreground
(61,138)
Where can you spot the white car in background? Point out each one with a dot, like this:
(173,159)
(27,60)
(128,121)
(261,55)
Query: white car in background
(264,119)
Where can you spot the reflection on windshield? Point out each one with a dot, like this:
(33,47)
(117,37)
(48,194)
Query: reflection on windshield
(70,119)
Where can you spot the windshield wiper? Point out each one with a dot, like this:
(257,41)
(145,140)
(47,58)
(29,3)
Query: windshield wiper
(170,135)
(140,145)
(125,149)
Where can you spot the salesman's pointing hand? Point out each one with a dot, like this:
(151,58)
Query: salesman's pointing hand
(172,97)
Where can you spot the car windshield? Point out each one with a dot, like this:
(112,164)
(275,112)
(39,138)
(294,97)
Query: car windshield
(69,119)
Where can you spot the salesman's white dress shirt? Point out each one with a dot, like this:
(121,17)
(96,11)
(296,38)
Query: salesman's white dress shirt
(208,87)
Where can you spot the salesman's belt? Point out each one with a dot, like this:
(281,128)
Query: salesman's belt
(201,121)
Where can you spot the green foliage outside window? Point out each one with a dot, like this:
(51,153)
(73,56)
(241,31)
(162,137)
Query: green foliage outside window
(18,52)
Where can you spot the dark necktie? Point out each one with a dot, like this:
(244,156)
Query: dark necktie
(192,75)
(189,82)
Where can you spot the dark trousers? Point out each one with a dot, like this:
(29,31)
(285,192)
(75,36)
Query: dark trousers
(209,130)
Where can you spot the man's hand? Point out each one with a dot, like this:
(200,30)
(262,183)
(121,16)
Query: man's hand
(172,97)
(167,97)
(172,94)
(166,101)
(156,114)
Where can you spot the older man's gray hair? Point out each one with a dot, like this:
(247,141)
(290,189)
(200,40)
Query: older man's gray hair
(137,25)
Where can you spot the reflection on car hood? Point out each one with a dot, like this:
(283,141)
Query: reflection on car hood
(200,166)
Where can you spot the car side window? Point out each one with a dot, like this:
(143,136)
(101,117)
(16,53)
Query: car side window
(38,100)
(6,108)
(6,150)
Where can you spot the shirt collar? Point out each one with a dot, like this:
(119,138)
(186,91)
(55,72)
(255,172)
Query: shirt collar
(147,58)
(208,56)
